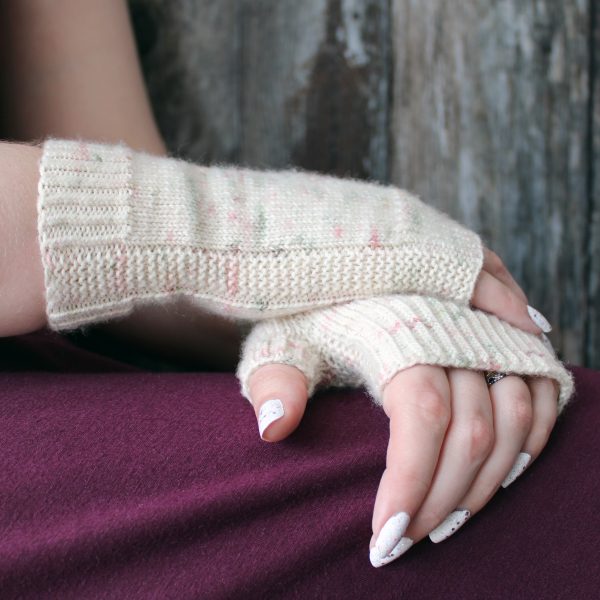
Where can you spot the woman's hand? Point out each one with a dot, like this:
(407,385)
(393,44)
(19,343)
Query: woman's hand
(453,439)
(453,442)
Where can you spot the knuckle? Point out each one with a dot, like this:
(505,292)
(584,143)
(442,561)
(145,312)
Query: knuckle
(430,406)
(519,410)
(479,434)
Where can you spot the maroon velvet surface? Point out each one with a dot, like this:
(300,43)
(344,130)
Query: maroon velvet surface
(122,483)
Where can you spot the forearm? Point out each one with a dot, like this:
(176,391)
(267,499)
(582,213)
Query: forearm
(70,69)
(22,308)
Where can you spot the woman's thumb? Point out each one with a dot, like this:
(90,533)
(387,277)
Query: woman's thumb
(278,372)
(279,395)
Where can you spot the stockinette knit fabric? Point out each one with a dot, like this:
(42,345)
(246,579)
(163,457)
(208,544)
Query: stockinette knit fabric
(366,342)
(118,228)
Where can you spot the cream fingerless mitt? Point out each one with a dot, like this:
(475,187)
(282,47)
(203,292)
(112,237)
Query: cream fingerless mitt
(119,228)
(366,342)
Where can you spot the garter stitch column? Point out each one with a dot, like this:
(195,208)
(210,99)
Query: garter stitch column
(119,227)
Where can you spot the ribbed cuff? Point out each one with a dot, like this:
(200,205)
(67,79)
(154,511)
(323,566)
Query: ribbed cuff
(389,334)
(83,206)
(369,341)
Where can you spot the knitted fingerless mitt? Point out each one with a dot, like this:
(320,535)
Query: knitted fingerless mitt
(367,342)
(118,227)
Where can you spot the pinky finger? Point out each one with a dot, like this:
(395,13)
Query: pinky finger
(544,399)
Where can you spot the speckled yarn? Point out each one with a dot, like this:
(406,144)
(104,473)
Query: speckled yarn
(119,227)
(366,342)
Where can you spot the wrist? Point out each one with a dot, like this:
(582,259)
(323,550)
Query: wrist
(22,305)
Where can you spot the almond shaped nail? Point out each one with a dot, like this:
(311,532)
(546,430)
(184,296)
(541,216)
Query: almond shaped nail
(539,319)
(269,412)
(451,524)
(518,468)
(400,548)
(391,533)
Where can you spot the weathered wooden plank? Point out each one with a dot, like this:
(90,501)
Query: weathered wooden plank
(190,53)
(593,321)
(270,83)
(489,124)
(315,86)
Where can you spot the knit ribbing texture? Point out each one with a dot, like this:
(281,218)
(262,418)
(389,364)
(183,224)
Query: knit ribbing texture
(118,228)
(366,342)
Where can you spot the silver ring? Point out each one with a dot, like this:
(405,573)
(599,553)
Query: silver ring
(492,377)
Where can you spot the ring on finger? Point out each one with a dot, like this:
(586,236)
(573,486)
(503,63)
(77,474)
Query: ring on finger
(492,377)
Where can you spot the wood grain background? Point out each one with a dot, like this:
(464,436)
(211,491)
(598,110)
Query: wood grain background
(487,110)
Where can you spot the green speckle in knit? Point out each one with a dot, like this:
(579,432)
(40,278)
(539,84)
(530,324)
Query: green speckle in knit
(456,314)
(260,303)
(299,240)
(192,186)
(417,219)
(260,223)
(98,158)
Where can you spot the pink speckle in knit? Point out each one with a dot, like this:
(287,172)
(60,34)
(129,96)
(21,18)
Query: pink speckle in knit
(170,235)
(494,366)
(233,273)
(338,232)
(121,273)
(416,321)
(535,353)
(396,327)
(232,216)
(82,152)
(374,241)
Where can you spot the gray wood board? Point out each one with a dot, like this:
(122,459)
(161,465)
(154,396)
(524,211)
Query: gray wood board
(490,125)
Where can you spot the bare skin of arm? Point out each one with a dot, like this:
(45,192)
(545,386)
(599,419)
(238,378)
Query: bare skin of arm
(70,69)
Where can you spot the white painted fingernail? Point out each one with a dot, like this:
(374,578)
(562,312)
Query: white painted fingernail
(519,466)
(539,319)
(452,523)
(270,411)
(548,344)
(400,548)
(391,532)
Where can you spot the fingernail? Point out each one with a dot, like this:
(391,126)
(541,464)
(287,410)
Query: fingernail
(400,548)
(539,319)
(391,532)
(452,523)
(270,411)
(519,466)
(546,341)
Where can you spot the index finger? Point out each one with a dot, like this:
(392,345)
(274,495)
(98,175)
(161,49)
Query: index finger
(495,266)
(417,401)
(494,297)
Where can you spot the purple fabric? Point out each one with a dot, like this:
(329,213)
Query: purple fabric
(139,484)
